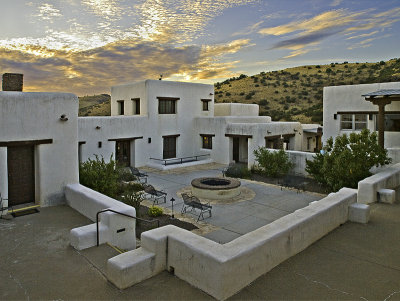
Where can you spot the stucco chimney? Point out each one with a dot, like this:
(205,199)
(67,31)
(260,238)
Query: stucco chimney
(13,81)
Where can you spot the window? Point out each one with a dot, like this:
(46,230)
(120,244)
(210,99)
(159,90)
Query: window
(206,141)
(392,122)
(353,122)
(308,142)
(205,104)
(120,107)
(346,122)
(136,106)
(167,105)
(360,121)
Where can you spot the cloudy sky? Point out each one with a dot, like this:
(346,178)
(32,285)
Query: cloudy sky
(87,46)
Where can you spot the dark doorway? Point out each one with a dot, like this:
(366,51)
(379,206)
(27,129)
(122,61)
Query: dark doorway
(236,149)
(123,153)
(21,175)
(169,147)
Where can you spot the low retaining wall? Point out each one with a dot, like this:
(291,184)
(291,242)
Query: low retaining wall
(394,153)
(299,160)
(223,270)
(386,179)
(114,228)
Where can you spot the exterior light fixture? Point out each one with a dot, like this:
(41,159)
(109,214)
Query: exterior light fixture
(269,132)
(172,201)
(211,93)
(63,117)
(295,130)
(98,127)
(335,116)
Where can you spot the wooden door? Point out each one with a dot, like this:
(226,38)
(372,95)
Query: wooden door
(21,175)
(169,147)
(236,149)
(123,153)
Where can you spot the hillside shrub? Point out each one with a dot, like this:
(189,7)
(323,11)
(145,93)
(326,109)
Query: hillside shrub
(272,163)
(347,160)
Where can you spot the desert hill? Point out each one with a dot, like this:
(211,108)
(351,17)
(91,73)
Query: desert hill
(292,94)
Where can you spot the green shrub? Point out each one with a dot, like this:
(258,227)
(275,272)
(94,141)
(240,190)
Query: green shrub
(272,163)
(155,211)
(132,196)
(125,175)
(347,160)
(238,171)
(100,176)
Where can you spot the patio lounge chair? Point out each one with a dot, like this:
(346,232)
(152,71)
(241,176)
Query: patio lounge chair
(191,201)
(140,175)
(154,194)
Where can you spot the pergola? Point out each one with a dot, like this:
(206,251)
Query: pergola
(381,98)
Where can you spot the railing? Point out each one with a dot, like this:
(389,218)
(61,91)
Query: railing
(179,160)
(120,213)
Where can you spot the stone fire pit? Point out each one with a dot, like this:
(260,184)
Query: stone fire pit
(216,188)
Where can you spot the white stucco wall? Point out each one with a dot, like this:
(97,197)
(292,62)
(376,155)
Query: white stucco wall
(236,109)
(348,98)
(150,124)
(117,127)
(36,116)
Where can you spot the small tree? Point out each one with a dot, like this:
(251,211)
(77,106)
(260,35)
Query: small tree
(100,176)
(347,161)
(273,163)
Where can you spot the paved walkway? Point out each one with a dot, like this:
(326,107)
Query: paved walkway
(261,203)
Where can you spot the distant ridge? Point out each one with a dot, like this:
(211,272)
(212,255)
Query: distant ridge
(292,94)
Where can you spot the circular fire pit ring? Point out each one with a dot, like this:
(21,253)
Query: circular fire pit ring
(215,188)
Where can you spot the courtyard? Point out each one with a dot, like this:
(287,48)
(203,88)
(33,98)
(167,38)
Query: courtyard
(257,205)
(352,262)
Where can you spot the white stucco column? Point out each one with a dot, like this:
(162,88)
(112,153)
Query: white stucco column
(3,176)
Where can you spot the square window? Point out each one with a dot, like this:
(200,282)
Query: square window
(205,104)
(167,105)
(121,108)
(206,141)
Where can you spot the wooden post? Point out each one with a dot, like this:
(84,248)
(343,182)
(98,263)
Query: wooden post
(381,125)
(381,103)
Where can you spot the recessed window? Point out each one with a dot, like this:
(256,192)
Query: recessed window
(353,122)
(205,104)
(206,141)
(309,142)
(136,106)
(392,122)
(167,105)
(121,109)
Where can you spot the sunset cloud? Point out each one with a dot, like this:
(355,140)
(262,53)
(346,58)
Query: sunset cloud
(123,61)
(85,46)
(300,34)
(48,12)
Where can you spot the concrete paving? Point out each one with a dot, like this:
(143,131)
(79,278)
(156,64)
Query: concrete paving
(234,219)
(353,262)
